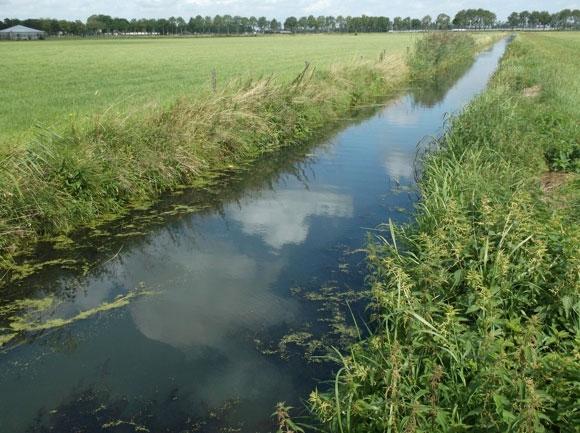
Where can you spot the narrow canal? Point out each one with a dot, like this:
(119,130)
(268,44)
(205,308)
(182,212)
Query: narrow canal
(205,321)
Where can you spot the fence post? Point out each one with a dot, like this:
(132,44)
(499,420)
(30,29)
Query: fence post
(214,80)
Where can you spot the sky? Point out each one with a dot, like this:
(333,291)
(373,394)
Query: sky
(81,9)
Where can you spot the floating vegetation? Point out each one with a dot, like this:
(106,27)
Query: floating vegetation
(130,234)
(28,316)
(333,325)
(21,271)
(6,338)
(399,189)
(93,409)
(62,242)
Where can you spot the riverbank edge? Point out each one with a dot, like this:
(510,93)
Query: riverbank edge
(100,169)
(476,305)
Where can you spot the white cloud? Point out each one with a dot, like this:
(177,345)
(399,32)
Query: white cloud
(81,9)
(399,165)
(319,6)
(219,291)
(282,218)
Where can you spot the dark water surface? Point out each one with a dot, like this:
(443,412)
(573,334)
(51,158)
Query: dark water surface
(227,308)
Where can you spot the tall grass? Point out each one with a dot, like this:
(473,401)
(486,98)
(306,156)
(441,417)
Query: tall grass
(63,180)
(477,304)
(440,53)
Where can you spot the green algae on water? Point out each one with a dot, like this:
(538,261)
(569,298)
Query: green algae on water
(22,316)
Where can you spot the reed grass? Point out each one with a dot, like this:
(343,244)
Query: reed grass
(477,304)
(103,165)
(439,53)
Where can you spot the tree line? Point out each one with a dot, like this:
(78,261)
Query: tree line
(227,24)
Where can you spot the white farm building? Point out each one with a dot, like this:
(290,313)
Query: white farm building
(21,33)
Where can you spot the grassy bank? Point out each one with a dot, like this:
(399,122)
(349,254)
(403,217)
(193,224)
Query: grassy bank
(104,165)
(440,54)
(63,180)
(477,303)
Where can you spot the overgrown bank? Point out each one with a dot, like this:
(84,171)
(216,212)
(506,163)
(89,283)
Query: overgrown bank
(477,303)
(439,54)
(108,164)
(61,181)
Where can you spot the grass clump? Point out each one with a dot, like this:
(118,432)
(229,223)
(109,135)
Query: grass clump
(477,304)
(439,53)
(98,167)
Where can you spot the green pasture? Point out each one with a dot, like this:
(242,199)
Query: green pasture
(45,82)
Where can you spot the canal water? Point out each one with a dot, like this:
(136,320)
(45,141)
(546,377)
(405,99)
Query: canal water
(205,321)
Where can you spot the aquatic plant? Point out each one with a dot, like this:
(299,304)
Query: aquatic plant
(25,317)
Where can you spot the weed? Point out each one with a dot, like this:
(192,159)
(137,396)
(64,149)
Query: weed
(477,304)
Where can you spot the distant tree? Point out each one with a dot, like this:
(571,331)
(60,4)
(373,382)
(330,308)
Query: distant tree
(311,23)
(321,24)
(544,18)
(348,24)
(534,18)
(99,23)
(489,18)
(181,25)
(262,24)
(398,23)
(253,22)
(330,23)
(467,18)
(384,24)
(274,25)
(341,23)
(291,24)
(474,18)
(461,19)
(514,19)
(172,25)
(244,25)
(524,18)
(565,19)
(575,17)
(443,21)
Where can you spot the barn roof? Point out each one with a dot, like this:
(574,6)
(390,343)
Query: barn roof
(20,29)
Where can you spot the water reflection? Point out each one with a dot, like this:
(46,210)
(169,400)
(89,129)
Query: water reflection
(218,291)
(225,278)
(282,218)
(431,92)
(400,165)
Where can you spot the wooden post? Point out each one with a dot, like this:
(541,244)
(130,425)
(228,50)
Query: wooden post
(214,80)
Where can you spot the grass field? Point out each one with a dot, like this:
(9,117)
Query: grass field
(47,81)
(477,303)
